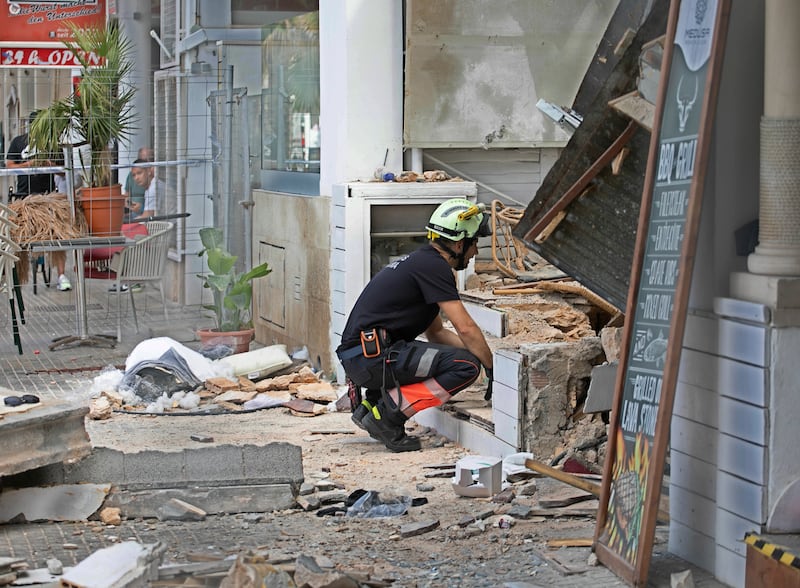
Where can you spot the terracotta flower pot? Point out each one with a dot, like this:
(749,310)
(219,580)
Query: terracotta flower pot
(239,341)
(103,208)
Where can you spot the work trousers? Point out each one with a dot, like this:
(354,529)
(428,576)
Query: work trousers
(427,374)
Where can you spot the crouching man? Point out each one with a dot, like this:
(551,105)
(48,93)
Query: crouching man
(379,349)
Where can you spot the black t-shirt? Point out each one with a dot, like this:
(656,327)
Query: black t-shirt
(403,297)
(27,184)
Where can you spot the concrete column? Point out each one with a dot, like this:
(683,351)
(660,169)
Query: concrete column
(778,251)
(361,89)
(134,17)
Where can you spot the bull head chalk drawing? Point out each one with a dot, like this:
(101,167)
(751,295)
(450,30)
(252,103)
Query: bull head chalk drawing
(684,104)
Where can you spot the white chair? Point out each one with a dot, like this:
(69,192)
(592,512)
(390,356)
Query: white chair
(144,261)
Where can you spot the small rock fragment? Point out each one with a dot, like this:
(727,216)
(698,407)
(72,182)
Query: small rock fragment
(111,516)
(99,408)
(54,566)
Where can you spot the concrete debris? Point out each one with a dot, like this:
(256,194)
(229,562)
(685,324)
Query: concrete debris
(177,510)
(485,514)
(528,489)
(504,496)
(325,485)
(195,569)
(682,579)
(54,566)
(302,391)
(38,576)
(236,396)
(466,520)
(125,564)
(318,392)
(520,511)
(100,408)
(245,384)
(111,516)
(308,572)
(300,407)
(10,568)
(332,497)
(67,502)
(221,385)
(309,503)
(253,572)
(418,528)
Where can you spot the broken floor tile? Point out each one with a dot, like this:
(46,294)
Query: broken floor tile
(66,502)
(176,509)
(419,528)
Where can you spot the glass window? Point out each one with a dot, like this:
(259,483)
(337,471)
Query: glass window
(290,132)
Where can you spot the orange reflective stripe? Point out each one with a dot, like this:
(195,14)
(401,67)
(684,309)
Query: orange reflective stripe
(419,396)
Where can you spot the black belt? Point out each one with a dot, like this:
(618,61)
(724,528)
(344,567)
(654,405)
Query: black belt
(350,353)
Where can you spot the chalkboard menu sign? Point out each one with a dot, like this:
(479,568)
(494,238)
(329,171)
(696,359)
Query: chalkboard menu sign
(660,281)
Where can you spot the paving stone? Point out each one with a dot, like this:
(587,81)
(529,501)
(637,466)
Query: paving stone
(272,463)
(156,468)
(219,463)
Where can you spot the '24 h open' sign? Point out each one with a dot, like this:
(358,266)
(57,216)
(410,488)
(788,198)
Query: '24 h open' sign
(659,291)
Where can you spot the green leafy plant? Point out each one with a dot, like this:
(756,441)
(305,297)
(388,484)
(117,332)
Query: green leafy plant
(232,291)
(99,112)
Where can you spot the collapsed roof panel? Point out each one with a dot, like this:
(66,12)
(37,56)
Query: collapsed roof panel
(584,216)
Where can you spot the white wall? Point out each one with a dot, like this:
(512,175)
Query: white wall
(361,88)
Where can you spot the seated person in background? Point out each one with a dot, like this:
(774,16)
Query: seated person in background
(133,191)
(154,192)
(20,156)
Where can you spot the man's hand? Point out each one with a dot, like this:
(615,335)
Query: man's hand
(490,376)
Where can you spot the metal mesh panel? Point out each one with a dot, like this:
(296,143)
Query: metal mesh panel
(231,170)
(169,31)
(165,113)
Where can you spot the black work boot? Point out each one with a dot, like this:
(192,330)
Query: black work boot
(385,428)
(371,398)
(359,412)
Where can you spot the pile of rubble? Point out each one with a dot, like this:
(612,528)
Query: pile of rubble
(541,307)
(301,390)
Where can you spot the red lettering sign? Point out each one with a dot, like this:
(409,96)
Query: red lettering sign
(41,57)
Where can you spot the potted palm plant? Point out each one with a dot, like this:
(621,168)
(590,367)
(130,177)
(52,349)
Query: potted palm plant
(232,294)
(96,115)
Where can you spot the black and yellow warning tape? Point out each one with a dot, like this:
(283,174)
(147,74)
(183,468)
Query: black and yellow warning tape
(777,552)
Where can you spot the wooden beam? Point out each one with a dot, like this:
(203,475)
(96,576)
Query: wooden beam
(578,187)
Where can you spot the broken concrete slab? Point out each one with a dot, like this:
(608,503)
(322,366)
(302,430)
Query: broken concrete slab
(52,433)
(69,502)
(199,465)
(213,500)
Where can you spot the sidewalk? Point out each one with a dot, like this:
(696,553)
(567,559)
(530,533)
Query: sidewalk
(335,455)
